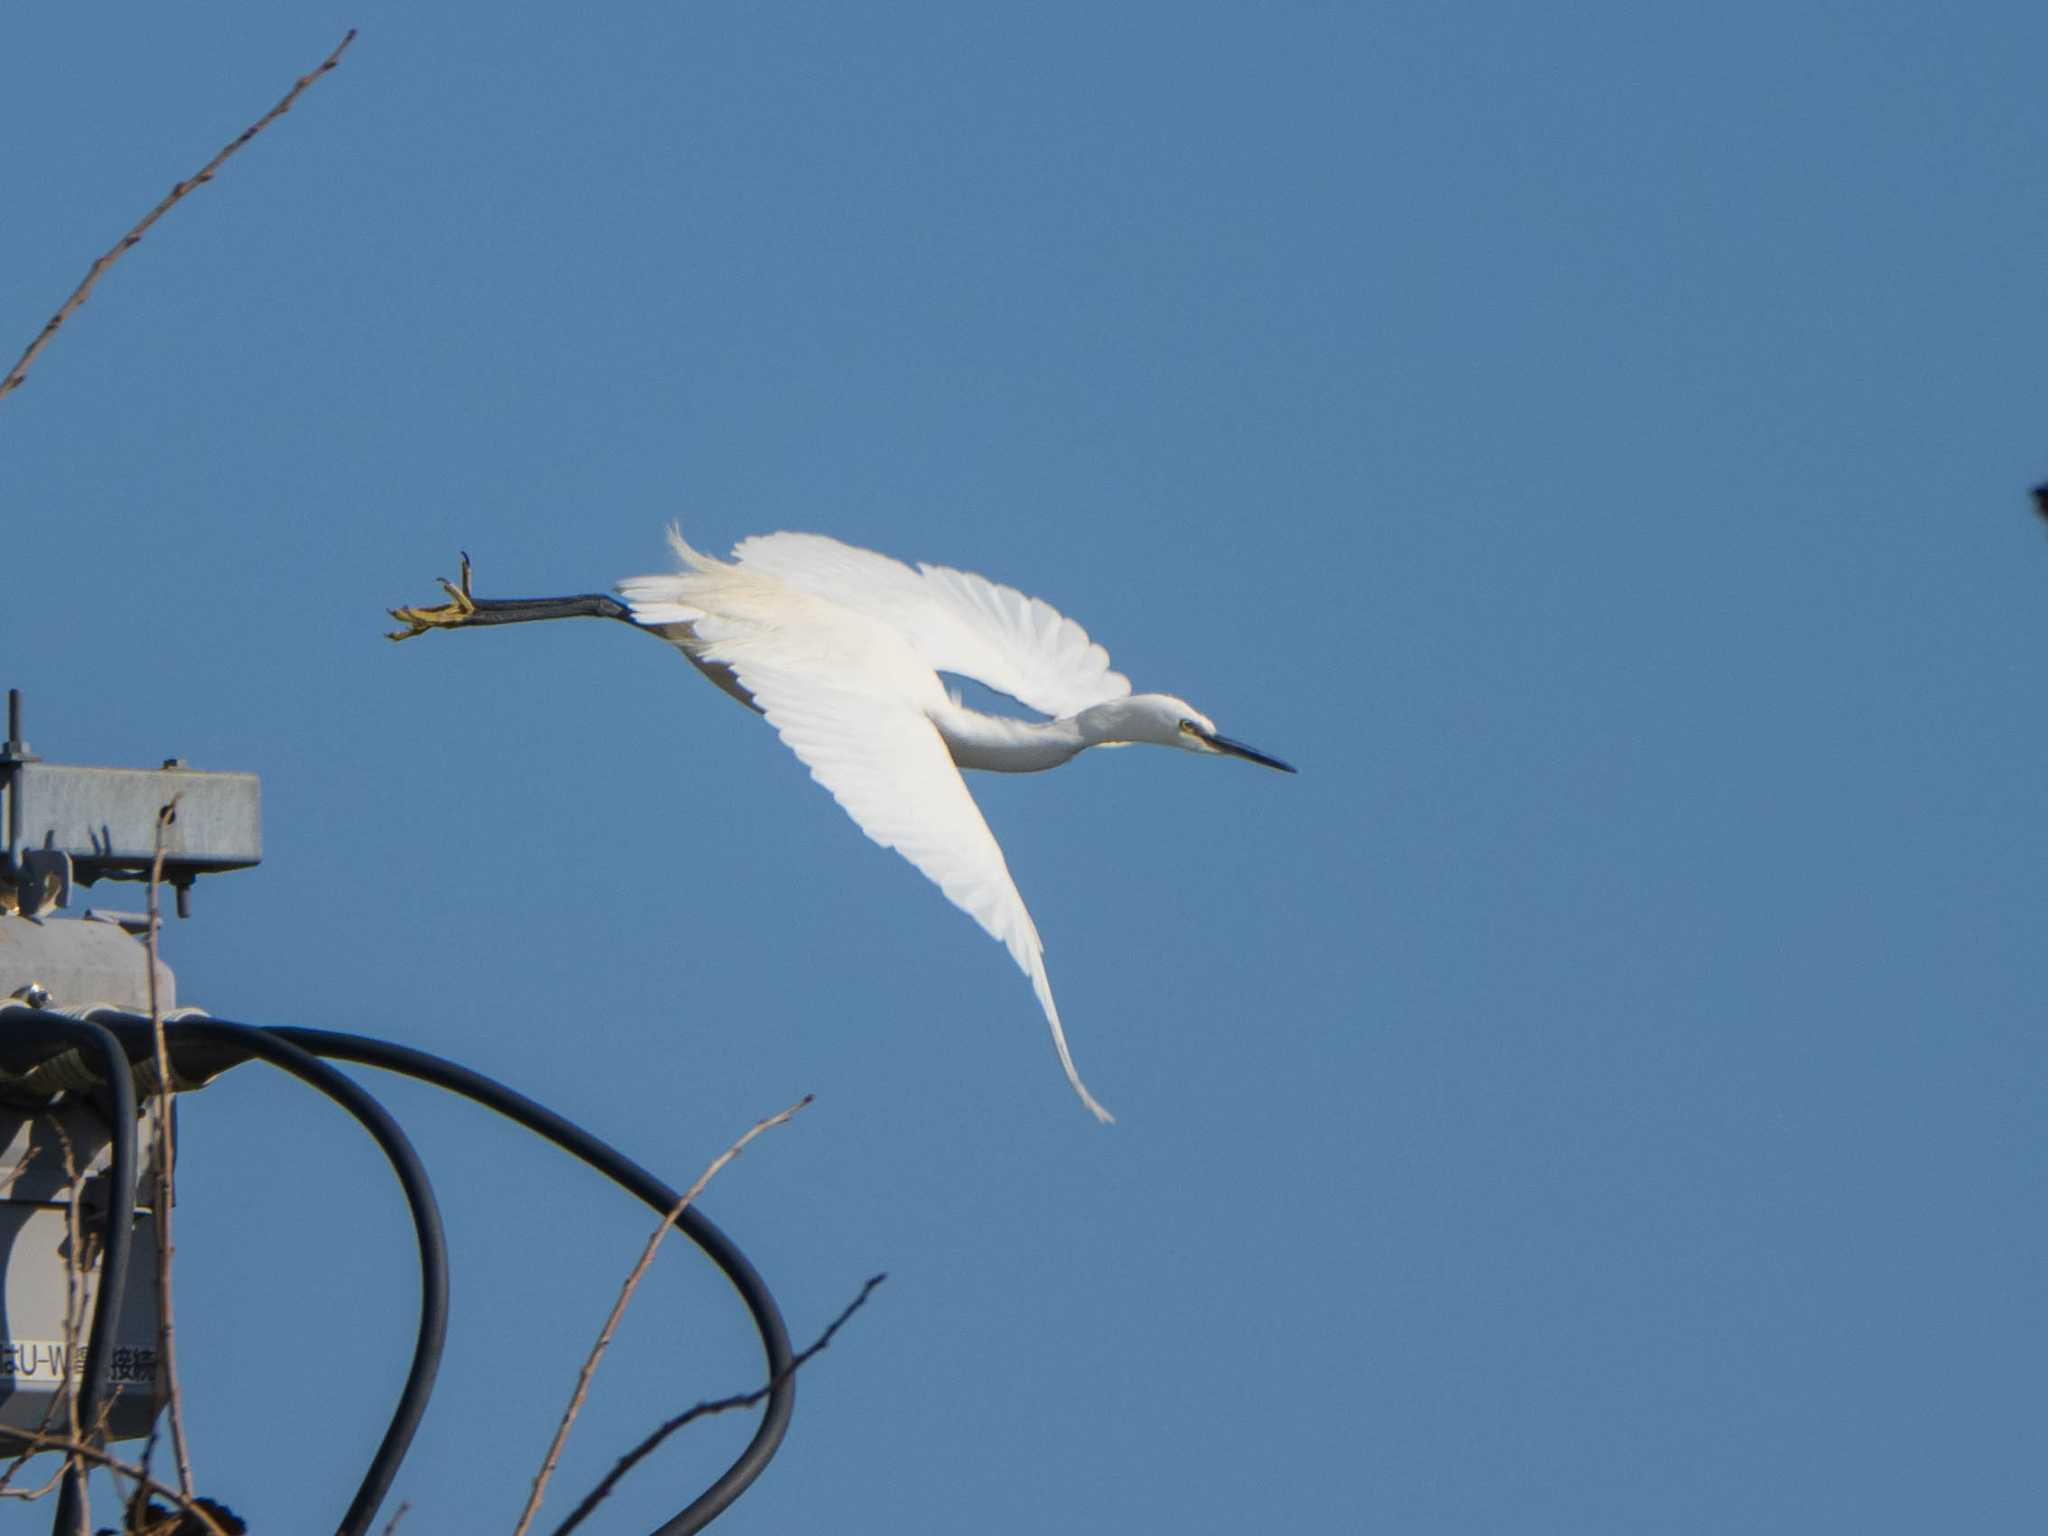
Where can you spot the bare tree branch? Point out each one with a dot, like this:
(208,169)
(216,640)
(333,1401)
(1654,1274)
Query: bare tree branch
(43,1490)
(74,1288)
(640,1452)
(167,1356)
(93,1453)
(98,269)
(611,1323)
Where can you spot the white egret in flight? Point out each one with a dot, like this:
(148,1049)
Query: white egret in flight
(841,649)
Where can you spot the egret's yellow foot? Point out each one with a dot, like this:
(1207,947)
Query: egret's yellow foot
(451,615)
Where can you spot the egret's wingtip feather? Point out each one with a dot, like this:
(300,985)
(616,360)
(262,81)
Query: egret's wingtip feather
(1041,984)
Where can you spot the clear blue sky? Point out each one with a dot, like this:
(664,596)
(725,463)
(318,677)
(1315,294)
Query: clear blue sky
(1603,1093)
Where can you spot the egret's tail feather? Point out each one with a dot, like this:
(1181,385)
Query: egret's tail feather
(652,605)
(664,598)
(677,597)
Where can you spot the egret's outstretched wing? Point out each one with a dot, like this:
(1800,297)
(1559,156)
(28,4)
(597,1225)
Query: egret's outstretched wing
(957,621)
(848,696)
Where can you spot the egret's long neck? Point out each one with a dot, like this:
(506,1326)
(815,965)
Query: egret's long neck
(1002,745)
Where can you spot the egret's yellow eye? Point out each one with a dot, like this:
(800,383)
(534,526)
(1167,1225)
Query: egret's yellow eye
(1189,726)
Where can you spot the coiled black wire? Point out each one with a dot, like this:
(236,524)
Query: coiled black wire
(269,1046)
(629,1175)
(221,1044)
(122,1038)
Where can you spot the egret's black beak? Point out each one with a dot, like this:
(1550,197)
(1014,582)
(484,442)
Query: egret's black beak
(1239,749)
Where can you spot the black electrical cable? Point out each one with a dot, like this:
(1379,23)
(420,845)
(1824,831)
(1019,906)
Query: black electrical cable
(298,1050)
(579,1143)
(426,1218)
(114,1245)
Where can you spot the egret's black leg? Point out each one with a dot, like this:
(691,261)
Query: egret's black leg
(464,609)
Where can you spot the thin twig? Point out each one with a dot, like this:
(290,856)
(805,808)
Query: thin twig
(74,1283)
(611,1323)
(74,1270)
(128,1469)
(171,198)
(133,1508)
(49,1484)
(640,1452)
(167,1353)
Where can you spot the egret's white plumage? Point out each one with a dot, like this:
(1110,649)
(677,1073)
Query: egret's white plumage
(841,649)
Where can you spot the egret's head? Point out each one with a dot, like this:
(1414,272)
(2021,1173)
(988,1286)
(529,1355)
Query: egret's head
(1165,721)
